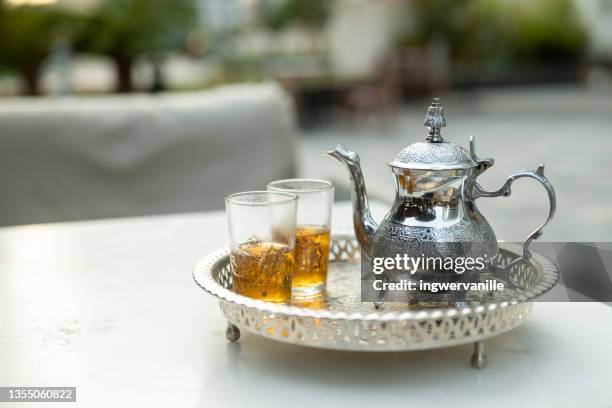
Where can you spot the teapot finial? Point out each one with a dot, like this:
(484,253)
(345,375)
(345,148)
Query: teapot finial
(435,121)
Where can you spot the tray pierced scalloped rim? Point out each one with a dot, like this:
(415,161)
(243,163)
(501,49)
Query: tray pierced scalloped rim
(340,327)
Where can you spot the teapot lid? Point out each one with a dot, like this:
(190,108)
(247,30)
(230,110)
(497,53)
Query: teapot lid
(435,153)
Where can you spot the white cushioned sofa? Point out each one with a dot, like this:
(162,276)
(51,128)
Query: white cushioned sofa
(77,158)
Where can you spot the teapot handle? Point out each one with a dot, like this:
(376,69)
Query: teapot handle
(505,192)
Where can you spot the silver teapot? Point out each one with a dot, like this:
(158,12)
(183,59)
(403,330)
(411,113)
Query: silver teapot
(434,212)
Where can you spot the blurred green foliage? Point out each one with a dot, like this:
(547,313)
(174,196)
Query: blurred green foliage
(497,33)
(537,30)
(27,35)
(549,30)
(120,29)
(127,29)
(277,15)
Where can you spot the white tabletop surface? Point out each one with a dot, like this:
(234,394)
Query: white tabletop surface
(111,308)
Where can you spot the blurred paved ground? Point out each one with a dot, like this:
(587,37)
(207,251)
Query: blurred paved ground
(569,129)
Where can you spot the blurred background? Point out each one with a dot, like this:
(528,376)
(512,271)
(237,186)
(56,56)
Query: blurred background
(114,108)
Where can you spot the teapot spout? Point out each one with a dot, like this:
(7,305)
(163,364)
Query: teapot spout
(364,225)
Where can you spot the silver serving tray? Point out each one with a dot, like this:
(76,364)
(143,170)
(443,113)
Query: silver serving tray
(341,321)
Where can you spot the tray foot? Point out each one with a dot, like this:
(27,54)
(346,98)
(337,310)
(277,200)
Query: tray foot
(479,358)
(232,333)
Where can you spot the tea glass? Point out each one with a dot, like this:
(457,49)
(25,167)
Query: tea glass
(312,234)
(262,243)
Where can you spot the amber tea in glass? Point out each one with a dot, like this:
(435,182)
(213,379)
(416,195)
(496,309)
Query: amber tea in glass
(312,235)
(312,256)
(263,270)
(262,244)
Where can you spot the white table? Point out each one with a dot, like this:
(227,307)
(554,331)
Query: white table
(111,308)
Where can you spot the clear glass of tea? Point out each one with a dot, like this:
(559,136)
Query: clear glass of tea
(312,233)
(262,243)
